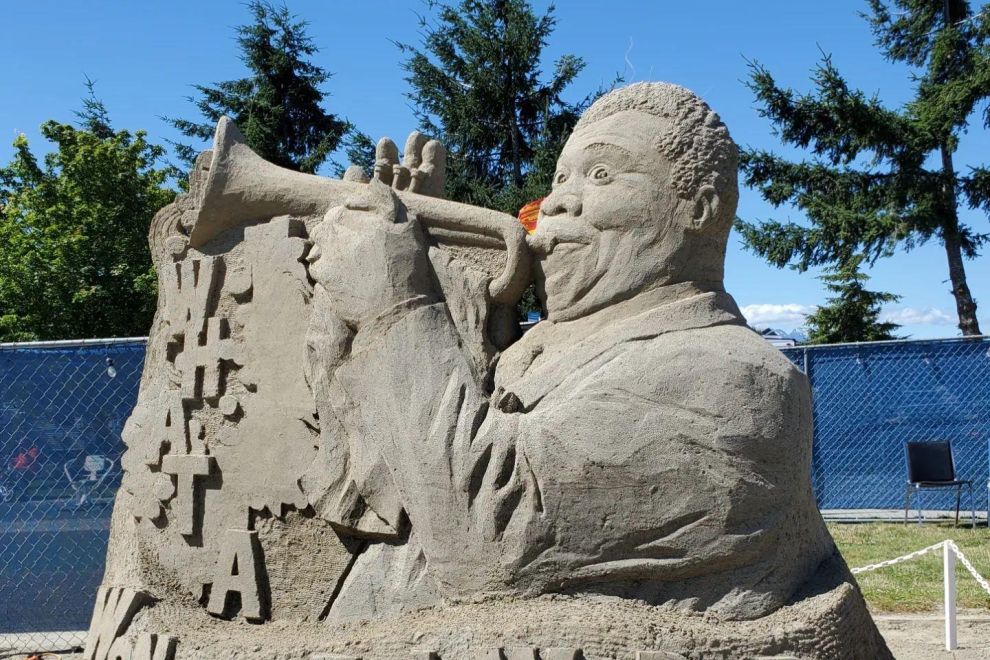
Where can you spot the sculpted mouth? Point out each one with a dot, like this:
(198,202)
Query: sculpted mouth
(551,234)
(314,254)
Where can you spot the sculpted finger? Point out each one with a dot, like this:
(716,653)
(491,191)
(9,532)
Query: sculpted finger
(412,156)
(386,159)
(418,179)
(401,177)
(435,167)
(355,173)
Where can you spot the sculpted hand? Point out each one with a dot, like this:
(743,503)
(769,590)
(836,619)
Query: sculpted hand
(369,255)
(423,169)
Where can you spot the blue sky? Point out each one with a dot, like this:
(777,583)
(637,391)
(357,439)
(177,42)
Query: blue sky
(144,57)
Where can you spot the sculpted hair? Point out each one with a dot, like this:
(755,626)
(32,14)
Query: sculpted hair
(694,140)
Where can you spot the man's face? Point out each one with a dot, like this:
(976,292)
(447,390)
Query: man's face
(612,219)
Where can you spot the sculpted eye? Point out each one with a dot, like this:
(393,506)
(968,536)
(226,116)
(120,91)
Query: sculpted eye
(560,177)
(600,174)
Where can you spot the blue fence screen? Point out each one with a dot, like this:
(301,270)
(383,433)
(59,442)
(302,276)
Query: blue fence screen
(62,409)
(870,399)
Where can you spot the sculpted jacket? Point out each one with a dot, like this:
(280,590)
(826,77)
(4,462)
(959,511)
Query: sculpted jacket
(656,449)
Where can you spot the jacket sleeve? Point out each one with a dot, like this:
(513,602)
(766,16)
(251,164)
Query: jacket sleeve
(415,399)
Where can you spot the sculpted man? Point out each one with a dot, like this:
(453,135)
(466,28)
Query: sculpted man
(342,446)
(640,442)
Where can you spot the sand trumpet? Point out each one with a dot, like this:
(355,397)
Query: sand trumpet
(240,187)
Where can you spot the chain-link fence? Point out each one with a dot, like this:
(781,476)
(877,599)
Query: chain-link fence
(870,399)
(63,405)
(62,408)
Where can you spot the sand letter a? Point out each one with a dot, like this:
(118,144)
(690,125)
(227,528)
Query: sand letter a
(240,569)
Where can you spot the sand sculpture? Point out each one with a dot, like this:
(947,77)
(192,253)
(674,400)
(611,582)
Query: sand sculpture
(344,449)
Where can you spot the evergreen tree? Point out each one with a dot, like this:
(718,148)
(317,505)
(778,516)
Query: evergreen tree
(94,116)
(478,87)
(75,261)
(854,313)
(869,187)
(359,148)
(278,106)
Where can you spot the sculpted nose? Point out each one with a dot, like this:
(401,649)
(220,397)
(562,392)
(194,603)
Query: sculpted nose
(559,203)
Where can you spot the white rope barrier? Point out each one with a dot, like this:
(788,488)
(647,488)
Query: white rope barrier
(898,560)
(980,580)
(950,552)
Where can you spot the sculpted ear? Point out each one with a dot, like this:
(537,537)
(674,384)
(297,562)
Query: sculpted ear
(706,206)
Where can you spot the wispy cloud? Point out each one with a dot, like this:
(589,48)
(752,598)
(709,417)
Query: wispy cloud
(792,315)
(913,316)
(787,316)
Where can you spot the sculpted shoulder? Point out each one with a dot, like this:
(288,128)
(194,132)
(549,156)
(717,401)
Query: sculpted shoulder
(743,346)
(736,344)
(724,357)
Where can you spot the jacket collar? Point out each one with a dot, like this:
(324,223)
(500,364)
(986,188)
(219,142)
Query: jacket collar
(551,352)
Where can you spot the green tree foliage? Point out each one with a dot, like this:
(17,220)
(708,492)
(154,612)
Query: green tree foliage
(478,87)
(880,178)
(278,106)
(359,149)
(75,261)
(853,314)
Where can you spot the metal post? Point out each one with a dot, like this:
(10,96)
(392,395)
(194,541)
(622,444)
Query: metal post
(972,503)
(949,581)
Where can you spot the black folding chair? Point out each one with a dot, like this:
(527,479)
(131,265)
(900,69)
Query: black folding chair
(931,465)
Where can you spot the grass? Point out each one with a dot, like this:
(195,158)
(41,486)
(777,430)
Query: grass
(915,585)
